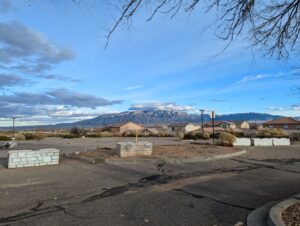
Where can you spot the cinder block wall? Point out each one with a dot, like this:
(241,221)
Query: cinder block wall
(124,149)
(29,158)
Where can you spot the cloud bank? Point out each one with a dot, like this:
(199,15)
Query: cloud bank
(160,106)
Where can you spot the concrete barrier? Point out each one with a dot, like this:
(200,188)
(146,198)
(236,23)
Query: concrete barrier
(281,141)
(29,158)
(124,149)
(242,142)
(262,141)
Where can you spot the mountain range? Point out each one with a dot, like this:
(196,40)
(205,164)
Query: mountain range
(154,117)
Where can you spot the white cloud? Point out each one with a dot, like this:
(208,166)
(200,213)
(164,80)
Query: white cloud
(293,110)
(251,78)
(272,108)
(161,106)
(134,87)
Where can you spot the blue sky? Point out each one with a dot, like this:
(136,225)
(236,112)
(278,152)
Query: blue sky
(54,67)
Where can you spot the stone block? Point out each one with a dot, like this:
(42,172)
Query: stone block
(124,149)
(281,141)
(22,155)
(242,142)
(262,141)
(46,159)
(33,158)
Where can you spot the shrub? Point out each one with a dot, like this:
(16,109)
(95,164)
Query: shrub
(37,136)
(196,136)
(69,136)
(106,134)
(19,136)
(76,131)
(269,133)
(205,136)
(227,139)
(179,135)
(295,136)
(235,133)
(94,135)
(166,134)
(4,138)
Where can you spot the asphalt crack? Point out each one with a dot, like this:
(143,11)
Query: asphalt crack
(260,165)
(215,200)
(145,182)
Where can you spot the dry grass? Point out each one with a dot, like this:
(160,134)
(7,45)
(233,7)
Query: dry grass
(190,150)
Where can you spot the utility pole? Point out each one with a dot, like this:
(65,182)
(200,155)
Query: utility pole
(213,125)
(83,133)
(13,118)
(202,121)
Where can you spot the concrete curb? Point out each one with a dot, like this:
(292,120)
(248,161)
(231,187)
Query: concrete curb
(175,160)
(275,218)
(259,217)
(270,213)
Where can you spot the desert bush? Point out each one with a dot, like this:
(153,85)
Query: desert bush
(166,134)
(94,135)
(34,136)
(196,136)
(76,131)
(110,134)
(295,136)
(70,136)
(20,136)
(216,135)
(205,136)
(269,133)
(4,138)
(179,135)
(235,133)
(227,139)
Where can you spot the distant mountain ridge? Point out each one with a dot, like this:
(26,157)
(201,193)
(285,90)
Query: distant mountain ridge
(153,117)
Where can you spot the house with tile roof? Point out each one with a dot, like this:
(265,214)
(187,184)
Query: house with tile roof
(286,123)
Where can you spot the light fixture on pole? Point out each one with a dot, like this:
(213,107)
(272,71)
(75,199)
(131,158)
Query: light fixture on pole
(13,118)
(202,111)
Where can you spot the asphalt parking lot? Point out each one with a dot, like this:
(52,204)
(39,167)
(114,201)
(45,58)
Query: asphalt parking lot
(220,192)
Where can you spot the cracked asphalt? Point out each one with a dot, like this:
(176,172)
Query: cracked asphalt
(221,192)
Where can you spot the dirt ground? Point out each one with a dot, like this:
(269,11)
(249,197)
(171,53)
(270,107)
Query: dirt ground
(184,150)
(291,215)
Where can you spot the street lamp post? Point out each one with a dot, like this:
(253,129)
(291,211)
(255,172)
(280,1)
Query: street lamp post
(13,118)
(83,133)
(202,121)
(213,125)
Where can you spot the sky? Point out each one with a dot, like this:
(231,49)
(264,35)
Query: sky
(54,66)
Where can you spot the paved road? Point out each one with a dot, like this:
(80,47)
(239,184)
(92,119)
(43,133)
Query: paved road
(219,192)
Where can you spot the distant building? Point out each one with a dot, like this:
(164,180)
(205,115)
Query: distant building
(121,128)
(183,127)
(220,124)
(286,123)
(255,125)
(241,124)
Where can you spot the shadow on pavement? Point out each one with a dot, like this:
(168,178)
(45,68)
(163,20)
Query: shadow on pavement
(3,162)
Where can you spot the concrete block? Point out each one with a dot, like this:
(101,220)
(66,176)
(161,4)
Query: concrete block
(46,159)
(281,141)
(124,149)
(262,141)
(16,160)
(32,158)
(242,142)
(22,155)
